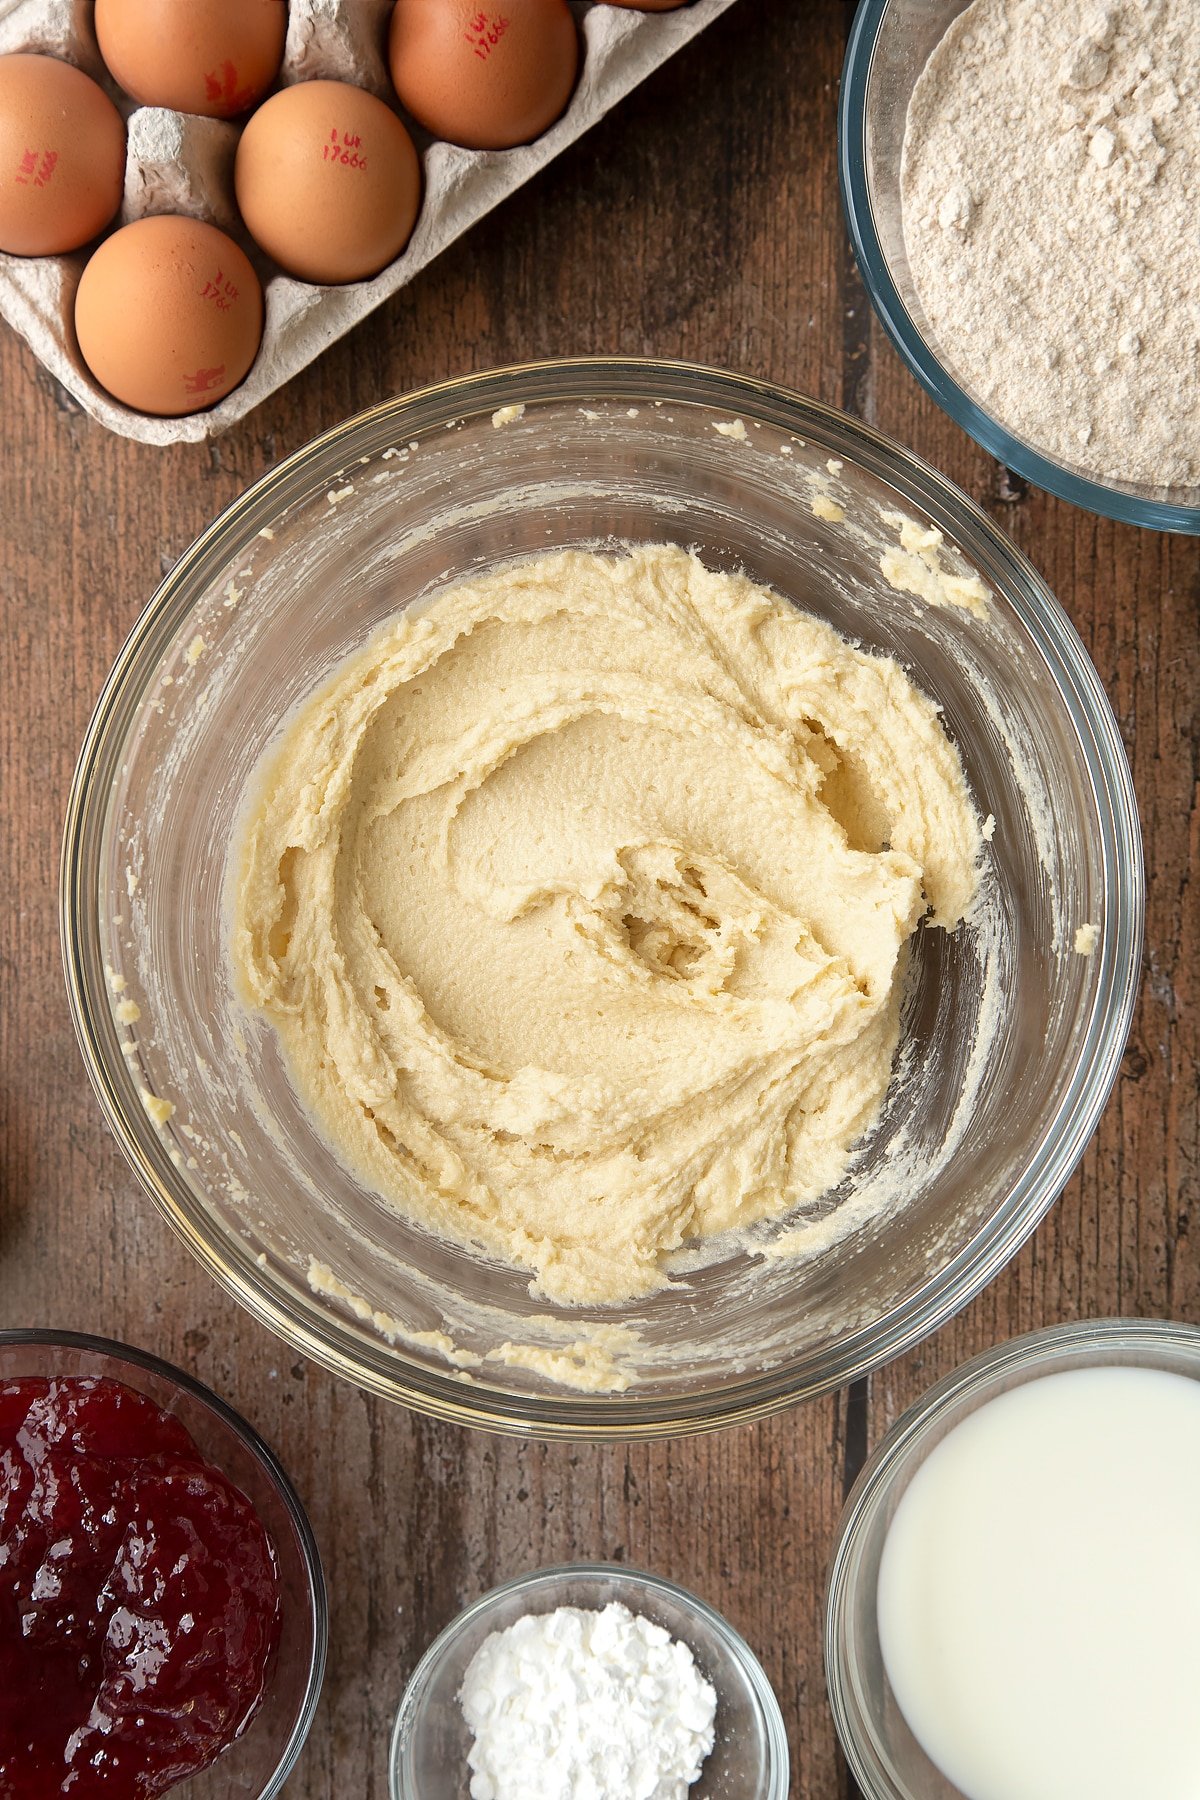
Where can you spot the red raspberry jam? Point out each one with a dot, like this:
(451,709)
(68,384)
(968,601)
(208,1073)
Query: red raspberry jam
(139,1596)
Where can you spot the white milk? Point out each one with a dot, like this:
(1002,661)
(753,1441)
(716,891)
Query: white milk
(1039,1592)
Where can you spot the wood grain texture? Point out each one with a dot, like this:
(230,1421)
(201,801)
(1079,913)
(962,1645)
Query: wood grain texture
(700,220)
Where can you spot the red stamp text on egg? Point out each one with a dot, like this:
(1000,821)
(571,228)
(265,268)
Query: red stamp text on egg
(484,32)
(221,291)
(204,380)
(35,169)
(221,89)
(345,149)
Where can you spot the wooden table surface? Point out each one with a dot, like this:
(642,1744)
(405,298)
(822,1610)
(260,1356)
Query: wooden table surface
(701,219)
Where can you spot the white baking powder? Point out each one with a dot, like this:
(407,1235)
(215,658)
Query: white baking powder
(1051,190)
(578,1705)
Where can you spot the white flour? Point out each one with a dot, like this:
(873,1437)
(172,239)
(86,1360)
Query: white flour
(577,1705)
(1051,191)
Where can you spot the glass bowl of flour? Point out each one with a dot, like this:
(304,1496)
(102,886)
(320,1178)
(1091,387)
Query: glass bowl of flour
(589,1678)
(1008,1027)
(1019,185)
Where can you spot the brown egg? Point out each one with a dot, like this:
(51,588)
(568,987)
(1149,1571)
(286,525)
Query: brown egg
(62,156)
(215,57)
(486,76)
(328,181)
(169,315)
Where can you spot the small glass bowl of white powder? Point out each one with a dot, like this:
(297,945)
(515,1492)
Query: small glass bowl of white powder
(620,1678)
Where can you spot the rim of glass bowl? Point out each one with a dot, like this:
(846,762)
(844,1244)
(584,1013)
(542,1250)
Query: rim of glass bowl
(299,1317)
(280,1480)
(917,353)
(1079,1338)
(743,1655)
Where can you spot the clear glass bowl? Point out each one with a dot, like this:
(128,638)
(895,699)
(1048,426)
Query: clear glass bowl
(885,1758)
(257,1765)
(890,43)
(749,1760)
(1012,1041)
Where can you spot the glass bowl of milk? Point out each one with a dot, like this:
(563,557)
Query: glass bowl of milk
(1014,1598)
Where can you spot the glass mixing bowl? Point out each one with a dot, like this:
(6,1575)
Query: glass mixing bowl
(890,43)
(748,1761)
(885,1758)
(256,1765)
(1011,1039)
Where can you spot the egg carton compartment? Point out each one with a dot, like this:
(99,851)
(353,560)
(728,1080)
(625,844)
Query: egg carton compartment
(180,163)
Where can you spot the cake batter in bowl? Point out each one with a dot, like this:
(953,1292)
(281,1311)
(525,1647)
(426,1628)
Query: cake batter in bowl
(1009,1027)
(582,901)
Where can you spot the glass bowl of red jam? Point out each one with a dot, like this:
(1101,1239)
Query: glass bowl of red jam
(163,1618)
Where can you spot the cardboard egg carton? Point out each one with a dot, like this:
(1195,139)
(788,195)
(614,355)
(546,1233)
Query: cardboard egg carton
(180,163)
